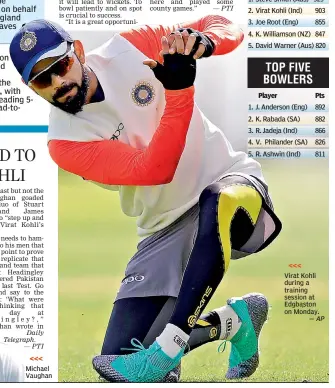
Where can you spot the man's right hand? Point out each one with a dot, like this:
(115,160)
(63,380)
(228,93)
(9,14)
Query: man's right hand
(177,72)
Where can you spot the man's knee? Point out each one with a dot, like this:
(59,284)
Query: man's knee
(234,209)
(228,199)
(239,197)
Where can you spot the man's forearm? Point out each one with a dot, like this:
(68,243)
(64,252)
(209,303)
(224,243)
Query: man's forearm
(162,156)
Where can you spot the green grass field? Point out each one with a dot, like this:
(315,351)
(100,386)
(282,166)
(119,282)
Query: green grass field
(96,240)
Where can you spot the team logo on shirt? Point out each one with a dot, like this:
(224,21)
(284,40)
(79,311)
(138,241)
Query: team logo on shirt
(28,41)
(143,93)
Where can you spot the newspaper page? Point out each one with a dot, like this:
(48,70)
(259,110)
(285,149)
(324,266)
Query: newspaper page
(164,191)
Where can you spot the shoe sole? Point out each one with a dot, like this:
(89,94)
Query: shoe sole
(102,365)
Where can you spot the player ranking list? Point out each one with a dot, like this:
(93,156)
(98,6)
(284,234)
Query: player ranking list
(288,78)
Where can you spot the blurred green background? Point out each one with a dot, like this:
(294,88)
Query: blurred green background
(96,240)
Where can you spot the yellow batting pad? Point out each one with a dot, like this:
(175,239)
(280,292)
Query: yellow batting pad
(230,200)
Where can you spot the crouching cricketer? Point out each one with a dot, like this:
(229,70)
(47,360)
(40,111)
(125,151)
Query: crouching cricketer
(124,117)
